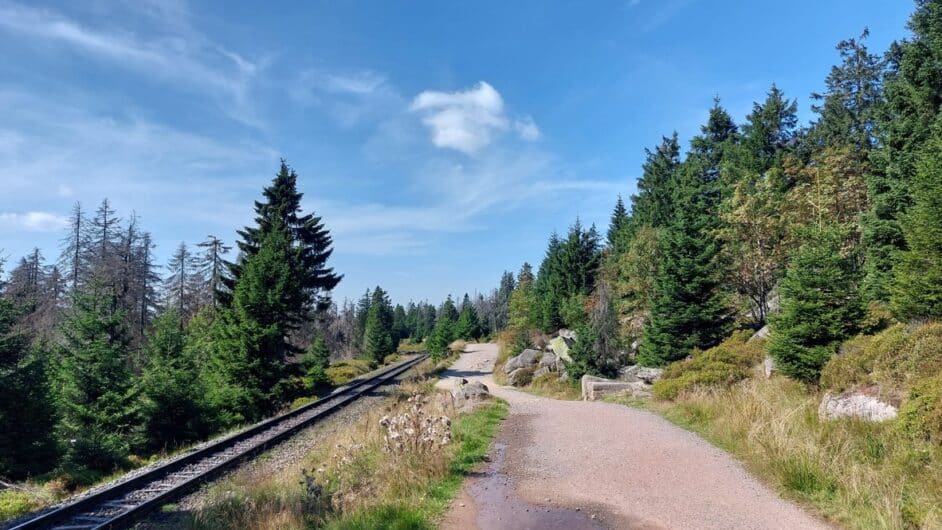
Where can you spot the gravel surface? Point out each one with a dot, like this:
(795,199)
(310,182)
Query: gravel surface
(283,456)
(614,466)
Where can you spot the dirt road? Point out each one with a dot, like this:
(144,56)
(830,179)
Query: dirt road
(569,464)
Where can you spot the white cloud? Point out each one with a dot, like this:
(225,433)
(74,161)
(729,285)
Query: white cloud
(527,129)
(33,221)
(467,120)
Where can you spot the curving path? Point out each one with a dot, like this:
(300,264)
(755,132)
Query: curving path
(572,464)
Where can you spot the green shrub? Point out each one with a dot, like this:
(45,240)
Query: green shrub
(723,365)
(921,414)
(343,372)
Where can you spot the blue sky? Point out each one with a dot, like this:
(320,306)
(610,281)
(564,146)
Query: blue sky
(441,141)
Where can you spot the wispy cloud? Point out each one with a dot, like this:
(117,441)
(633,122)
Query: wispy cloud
(33,221)
(178,54)
(467,120)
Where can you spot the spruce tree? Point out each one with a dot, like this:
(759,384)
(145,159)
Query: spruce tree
(27,415)
(467,327)
(913,100)
(315,362)
(95,392)
(251,349)
(307,236)
(523,303)
(820,306)
(378,337)
(917,289)
(689,309)
(653,205)
(173,405)
(618,222)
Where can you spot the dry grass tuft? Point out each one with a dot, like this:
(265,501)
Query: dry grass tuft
(859,474)
(399,464)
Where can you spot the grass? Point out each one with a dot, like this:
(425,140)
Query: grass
(857,474)
(357,477)
(14,503)
(549,385)
(341,373)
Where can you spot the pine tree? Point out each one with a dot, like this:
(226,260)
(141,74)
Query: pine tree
(913,100)
(444,332)
(917,289)
(820,306)
(523,304)
(653,205)
(378,338)
(362,313)
(400,325)
(307,234)
(618,222)
(502,301)
(467,327)
(96,396)
(211,267)
(689,310)
(173,406)
(181,293)
(27,416)
(315,362)
(75,248)
(251,345)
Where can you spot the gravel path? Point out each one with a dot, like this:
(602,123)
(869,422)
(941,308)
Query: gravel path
(573,464)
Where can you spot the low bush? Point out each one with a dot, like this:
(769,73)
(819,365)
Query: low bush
(921,414)
(896,360)
(458,346)
(343,372)
(723,365)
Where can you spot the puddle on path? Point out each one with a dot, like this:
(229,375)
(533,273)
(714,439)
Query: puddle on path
(498,507)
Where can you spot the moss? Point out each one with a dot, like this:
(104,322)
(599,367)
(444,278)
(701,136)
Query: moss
(723,365)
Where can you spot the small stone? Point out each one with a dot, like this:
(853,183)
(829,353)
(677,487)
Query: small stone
(594,517)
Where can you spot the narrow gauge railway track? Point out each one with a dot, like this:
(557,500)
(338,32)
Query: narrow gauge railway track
(128,501)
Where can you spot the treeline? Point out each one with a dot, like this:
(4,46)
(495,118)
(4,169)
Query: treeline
(820,231)
(104,358)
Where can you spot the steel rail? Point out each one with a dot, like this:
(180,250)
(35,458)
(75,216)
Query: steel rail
(117,506)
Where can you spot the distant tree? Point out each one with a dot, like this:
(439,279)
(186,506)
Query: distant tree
(211,267)
(181,292)
(362,313)
(523,303)
(618,222)
(400,324)
(315,362)
(73,260)
(378,337)
(820,306)
(444,332)
(467,327)
(502,301)
(597,350)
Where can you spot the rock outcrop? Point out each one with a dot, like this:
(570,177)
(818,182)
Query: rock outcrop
(636,373)
(526,359)
(856,404)
(467,395)
(594,388)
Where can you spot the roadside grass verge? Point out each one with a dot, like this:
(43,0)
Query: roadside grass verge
(359,477)
(857,474)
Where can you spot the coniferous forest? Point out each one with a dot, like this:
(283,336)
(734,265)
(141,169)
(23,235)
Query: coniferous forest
(824,237)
